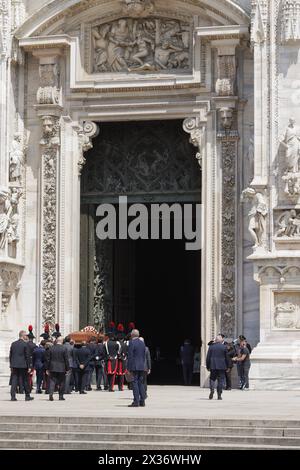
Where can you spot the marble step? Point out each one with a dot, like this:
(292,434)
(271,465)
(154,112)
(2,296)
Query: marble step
(144,429)
(123,445)
(80,436)
(145,421)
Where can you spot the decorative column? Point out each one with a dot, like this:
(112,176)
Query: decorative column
(228,141)
(226,66)
(49,110)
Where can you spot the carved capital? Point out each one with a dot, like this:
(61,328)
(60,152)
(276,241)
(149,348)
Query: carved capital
(49,91)
(193,127)
(86,133)
(10,282)
(50,132)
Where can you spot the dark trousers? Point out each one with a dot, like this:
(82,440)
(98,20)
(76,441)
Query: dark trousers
(83,375)
(217,375)
(145,381)
(121,379)
(187,370)
(138,387)
(243,372)
(19,377)
(228,377)
(39,378)
(111,378)
(57,379)
(90,376)
(69,377)
(76,378)
(100,376)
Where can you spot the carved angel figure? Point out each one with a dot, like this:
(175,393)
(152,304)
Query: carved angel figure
(257,216)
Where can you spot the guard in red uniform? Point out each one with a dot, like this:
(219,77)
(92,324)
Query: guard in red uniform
(112,348)
(122,358)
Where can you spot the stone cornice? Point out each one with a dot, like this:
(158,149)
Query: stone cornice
(223,32)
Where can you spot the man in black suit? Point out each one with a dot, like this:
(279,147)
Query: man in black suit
(19,359)
(83,358)
(217,363)
(57,365)
(136,365)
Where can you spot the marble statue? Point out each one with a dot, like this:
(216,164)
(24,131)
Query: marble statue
(257,216)
(16,158)
(291,144)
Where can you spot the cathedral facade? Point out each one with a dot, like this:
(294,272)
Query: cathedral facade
(159,100)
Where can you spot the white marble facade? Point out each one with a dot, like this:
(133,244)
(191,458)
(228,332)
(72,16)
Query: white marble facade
(230,70)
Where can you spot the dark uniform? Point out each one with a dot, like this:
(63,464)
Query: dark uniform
(217,363)
(100,366)
(122,364)
(57,363)
(38,361)
(112,349)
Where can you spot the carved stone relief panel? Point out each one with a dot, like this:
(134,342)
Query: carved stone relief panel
(286,310)
(140,45)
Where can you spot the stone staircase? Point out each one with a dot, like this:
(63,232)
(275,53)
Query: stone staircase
(91,433)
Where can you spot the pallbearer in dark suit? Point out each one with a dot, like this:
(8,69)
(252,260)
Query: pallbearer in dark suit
(19,359)
(217,363)
(112,350)
(136,365)
(83,358)
(57,365)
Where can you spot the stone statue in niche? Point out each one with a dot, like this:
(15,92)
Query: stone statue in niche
(16,158)
(288,224)
(291,151)
(137,45)
(257,216)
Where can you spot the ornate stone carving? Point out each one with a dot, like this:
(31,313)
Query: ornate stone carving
(9,215)
(290,21)
(228,158)
(18,13)
(10,276)
(287,224)
(138,8)
(225,85)
(287,310)
(226,117)
(259,20)
(103,284)
(48,92)
(85,136)
(50,143)
(17,158)
(257,217)
(5,28)
(290,145)
(144,160)
(129,45)
(196,131)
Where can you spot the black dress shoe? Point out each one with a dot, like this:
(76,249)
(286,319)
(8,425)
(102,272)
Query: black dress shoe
(99,389)
(83,393)
(89,389)
(29,398)
(39,391)
(13,399)
(51,398)
(219,397)
(62,398)
(133,405)
(142,403)
(211,395)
